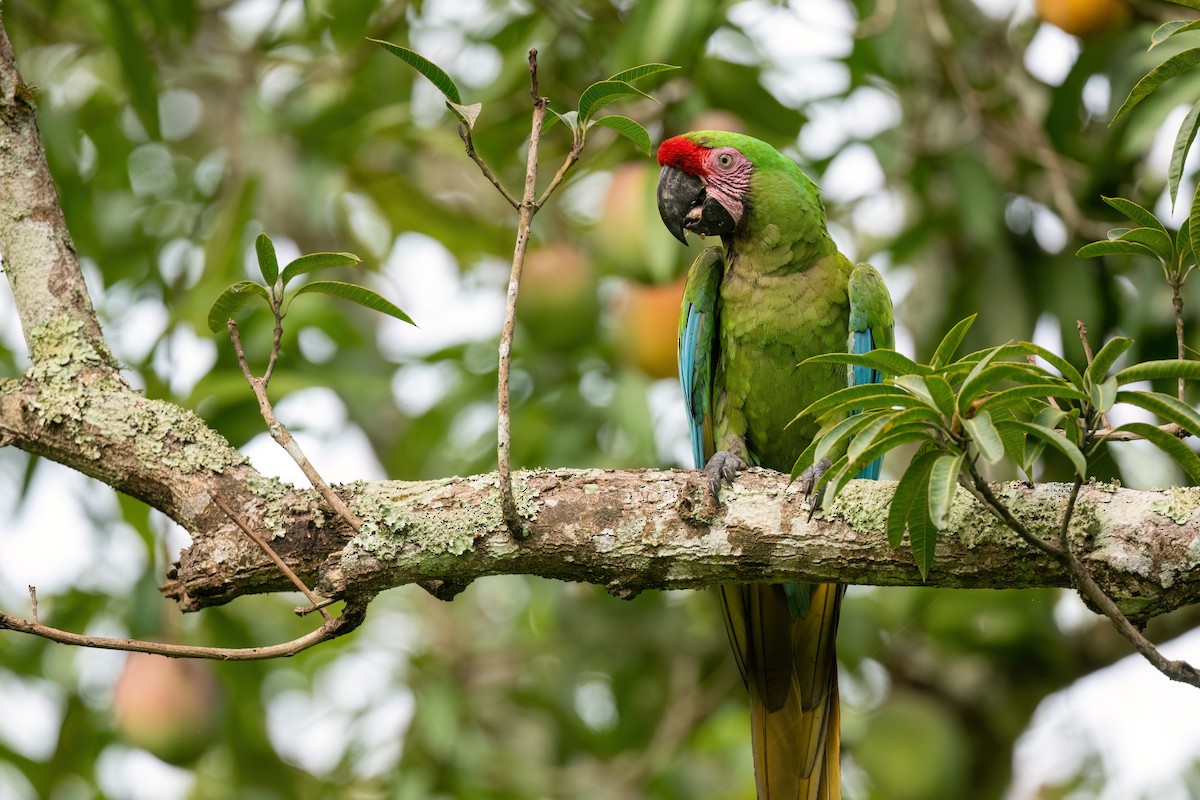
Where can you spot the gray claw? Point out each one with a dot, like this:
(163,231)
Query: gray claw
(808,479)
(723,467)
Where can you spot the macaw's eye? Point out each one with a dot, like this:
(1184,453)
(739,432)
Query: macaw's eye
(725,160)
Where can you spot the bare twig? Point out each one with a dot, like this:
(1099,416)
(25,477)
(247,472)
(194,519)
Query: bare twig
(464,132)
(1180,671)
(317,604)
(33,603)
(527,208)
(1176,281)
(351,617)
(280,433)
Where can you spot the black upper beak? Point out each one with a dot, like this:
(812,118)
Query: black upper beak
(678,193)
(684,205)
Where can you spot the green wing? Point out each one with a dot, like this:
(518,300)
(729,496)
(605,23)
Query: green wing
(697,349)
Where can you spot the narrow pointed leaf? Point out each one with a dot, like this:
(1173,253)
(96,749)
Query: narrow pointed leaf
(1194,4)
(1183,240)
(985,436)
(1165,406)
(1065,368)
(832,441)
(1114,248)
(1009,397)
(850,394)
(886,361)
(932,390)
(1056,440)
(885,444)
(268,264)
(1194,231)
(1139,215)
(356,294)
(1173,66)
(989,379)
(631,130)
(922,535)
(1183,143)
(1113,349)
(911,497)
(436,75)
(601,93)
(1179,452)
(951,342)
(1156,370)
(315,261)
(641,71)
(231,301)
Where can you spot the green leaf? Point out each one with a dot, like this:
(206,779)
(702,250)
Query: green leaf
(922,535)
(1139,215)
(1173,66)
(827,442)
(631,130)
(1064,367)
(601,93)
(1160,370)
(1104,394)
(231,301)
(1183,143)
(1183,241)
(943,483)
(933,391)
(139,70)
(1117,247)
(1169,29)
(1113,349)
(436,75)
(639,72)
(911,497)
(268,264)
(1159,242)
(851,394)
(1010,397)
(1056,440)
(1193,230)
(887,361)
(951,342)
(985,436)
(979,382)
(466,114)
(316,261)
(356,294)
(1166,406)
(1179,452)
(884,444)
(1193,4)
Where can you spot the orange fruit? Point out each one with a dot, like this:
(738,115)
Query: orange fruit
(646,321)
(1084,18)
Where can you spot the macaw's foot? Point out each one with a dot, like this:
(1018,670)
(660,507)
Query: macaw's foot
(808,481)
(723,467)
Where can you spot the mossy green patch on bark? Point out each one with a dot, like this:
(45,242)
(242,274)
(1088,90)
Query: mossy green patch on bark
(98,410)
(1177,504)
(863,505)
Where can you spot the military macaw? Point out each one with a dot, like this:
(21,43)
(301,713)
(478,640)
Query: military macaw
(775,292)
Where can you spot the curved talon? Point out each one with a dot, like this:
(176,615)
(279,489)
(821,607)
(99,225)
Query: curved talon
(808,480)
(723,467)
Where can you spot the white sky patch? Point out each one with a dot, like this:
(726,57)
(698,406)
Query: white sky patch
(1140,725)
(862,115)
(1097,96)
(449,308)
(853,173)
(126,773)
(317,419)
(418,387)
(1047,333)
(183,358)
(33,711)
(1051,55)
(672,439)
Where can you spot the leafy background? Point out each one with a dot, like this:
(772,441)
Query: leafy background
(963,147)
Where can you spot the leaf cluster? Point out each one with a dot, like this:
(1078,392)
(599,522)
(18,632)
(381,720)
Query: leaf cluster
(988,405)
(594,98)
(236,296)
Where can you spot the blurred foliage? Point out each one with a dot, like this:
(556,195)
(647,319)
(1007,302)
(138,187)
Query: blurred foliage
(964,153)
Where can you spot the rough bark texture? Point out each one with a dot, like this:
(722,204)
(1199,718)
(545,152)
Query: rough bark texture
(629,531)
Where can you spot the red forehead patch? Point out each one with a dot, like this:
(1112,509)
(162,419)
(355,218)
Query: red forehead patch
(681,152)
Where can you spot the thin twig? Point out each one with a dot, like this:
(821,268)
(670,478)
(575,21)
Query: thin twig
(280,433)
(1180,671)
(351,617)
(317,603)
(1176,282)
(33,603)
(526,210)
(464,132)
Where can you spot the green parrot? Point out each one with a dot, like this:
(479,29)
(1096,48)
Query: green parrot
(775,292)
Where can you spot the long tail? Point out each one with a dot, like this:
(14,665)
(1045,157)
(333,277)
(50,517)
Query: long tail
(789,663)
